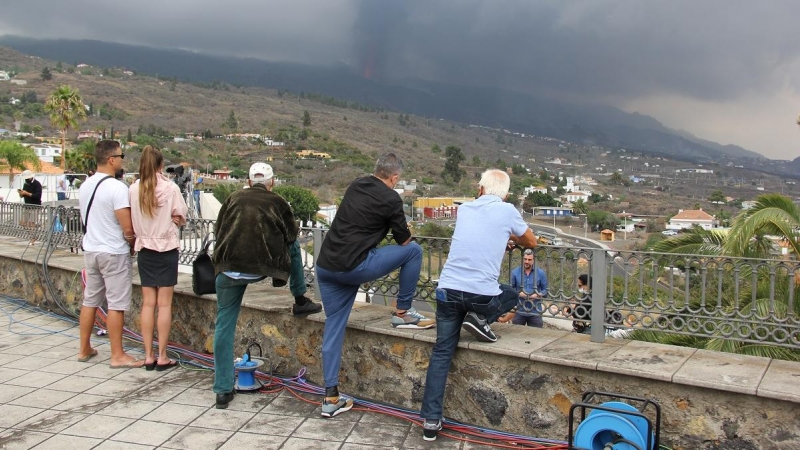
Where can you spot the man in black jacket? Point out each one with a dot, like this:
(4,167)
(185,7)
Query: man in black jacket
(350,256)
(31,191)
(254,231)
(31,194)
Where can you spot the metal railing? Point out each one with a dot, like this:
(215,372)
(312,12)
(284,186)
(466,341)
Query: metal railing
(731,301)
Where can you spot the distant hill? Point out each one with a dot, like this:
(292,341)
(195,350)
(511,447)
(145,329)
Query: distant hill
(588,124)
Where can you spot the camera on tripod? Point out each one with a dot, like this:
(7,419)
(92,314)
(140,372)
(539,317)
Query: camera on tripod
(182,176)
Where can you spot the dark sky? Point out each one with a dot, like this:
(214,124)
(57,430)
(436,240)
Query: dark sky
(726,70)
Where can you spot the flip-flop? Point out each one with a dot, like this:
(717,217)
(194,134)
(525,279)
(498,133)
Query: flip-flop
(132,364)
(88,357)
(162,367)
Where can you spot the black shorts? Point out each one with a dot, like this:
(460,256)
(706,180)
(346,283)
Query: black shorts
(157,269)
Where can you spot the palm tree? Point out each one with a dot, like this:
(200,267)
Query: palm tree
(773,214)
(17,156)
(65,107)
(81,158)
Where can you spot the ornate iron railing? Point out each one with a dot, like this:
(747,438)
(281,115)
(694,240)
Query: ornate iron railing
(726,299)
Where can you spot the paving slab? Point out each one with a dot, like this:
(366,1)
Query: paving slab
(147,433)
(781,381)
(191,438)
(654,361)
(724,371)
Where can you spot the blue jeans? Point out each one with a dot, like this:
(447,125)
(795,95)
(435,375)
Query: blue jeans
(61,196)
(229,302)
(451,307)
(338,292)
(533,320)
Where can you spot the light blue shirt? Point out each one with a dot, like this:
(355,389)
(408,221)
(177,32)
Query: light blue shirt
(479,243)
(242,276)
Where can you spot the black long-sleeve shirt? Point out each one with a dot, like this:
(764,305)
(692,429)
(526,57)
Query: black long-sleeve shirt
(368,211)
(35,188)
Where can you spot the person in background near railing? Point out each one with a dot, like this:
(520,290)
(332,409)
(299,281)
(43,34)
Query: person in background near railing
(254,230)
(108,243)
(61,187)
(350,256)
(31,194)
(468,294)
(581,310)
(157,211)
(531,283)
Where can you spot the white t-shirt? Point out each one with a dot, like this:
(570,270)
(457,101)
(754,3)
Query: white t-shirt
(103,232)
(61,184)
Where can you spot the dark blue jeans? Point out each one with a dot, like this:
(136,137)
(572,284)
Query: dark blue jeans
(533,320)
(451,307)
(338,292)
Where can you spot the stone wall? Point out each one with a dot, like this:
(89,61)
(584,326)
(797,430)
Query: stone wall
(487,386)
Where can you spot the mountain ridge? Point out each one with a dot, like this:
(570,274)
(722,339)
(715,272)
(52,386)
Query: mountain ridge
(589,124)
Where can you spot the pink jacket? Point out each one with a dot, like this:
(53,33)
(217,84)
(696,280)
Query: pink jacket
(159,232)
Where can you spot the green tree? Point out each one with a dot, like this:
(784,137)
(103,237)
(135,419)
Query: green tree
(602,219)
(616,179)
(717,197)
(81,158)
(580,207)
(436,149)
(231,124)
(452,171)
(59,67)
(544,176)
(130,136)
(773,214)
(18,157)
(66,108)
(305,204)
(46,75)
(535,199)
(431,229)
(306,119)
(224,190)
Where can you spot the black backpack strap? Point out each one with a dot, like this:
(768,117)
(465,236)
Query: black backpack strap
(91,200)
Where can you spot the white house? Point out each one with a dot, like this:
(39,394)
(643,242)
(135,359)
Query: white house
(747,204)
(531,189)
(573,197)
(4,76)
(45,152)
(690,217)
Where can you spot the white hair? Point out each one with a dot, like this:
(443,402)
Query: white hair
(495,182)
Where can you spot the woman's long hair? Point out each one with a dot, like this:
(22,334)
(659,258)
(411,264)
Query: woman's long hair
(149,166)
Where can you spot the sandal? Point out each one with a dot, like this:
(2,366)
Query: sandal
(162,367)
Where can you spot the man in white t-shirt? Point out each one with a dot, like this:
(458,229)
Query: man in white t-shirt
(108,242)
(61,187)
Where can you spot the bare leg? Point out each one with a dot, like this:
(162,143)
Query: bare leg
(115,321)
(148,319)
(164,320)
(86,326)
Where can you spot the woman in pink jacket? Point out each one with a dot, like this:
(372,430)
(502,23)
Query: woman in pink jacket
(157,210)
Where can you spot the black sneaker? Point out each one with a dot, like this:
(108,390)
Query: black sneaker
(224,399)
(478,328)
(308,307)
(430,429)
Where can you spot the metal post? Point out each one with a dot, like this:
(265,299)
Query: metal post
(317,248)
(599,288)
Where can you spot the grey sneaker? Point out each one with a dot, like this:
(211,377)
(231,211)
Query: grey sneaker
(411,319)
(333,407)
(478,328)
(430,429)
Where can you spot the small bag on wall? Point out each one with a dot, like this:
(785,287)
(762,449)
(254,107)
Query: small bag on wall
(203,274)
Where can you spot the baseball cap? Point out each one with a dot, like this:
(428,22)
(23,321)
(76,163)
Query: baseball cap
(260,172)
(27,174)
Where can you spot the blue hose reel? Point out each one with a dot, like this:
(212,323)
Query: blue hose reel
(245,368)
(613,424)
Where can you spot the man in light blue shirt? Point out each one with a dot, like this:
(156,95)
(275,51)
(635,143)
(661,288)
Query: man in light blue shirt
(531,283)
(469,294)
